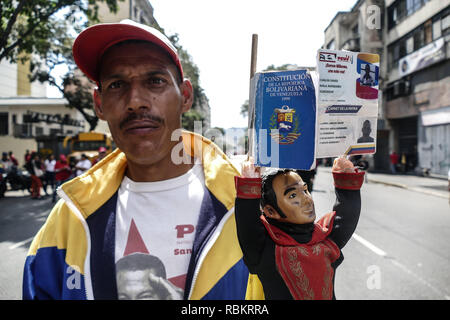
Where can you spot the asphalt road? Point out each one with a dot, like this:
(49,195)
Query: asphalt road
(400,249)
(20,219)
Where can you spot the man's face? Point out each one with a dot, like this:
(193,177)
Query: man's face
(293,198)
(141,100)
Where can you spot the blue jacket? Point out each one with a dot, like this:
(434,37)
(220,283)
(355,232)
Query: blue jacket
(72,256)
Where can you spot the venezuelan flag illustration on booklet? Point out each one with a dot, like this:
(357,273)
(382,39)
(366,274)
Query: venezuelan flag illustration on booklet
(347,104)
(282,119)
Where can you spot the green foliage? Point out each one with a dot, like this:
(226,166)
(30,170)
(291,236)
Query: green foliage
(32,30)
(188,119)
(244,109)
(43,32)
(27,26)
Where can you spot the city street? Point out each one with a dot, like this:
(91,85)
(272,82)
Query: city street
(400,249)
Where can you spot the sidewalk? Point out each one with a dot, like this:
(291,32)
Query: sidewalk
(434,186)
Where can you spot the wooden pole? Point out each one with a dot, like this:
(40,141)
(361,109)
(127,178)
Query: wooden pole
(254,55)
(253,60)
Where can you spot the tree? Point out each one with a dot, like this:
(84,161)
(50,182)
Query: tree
(31,30)
(244,109)
(27,26)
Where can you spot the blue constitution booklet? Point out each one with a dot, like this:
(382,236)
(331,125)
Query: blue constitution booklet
(282,119)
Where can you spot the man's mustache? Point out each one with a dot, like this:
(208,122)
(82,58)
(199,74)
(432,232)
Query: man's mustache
(140,116)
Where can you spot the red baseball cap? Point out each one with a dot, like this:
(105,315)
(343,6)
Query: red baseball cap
(91,44)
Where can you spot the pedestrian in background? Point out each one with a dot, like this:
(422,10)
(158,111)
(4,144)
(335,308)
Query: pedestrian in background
(6,162)
(83,165)
(13,159)
(394,162)
(101,154)
(49,164)
(62,173)
(36,170)
(27,156)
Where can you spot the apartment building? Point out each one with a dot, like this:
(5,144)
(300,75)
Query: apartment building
(27,113)
(416,95)
(414,113)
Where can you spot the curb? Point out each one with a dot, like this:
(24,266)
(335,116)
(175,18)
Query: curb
(403,186)
(370,179)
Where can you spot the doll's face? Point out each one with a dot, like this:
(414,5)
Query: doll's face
(293,199)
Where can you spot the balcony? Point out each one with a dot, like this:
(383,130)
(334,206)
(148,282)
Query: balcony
(352,44)
(22,130)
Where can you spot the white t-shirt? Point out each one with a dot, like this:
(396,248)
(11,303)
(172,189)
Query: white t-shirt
(85,164)
(50,165)
(155,225)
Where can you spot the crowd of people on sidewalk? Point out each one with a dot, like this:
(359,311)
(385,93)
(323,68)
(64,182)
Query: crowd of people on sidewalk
(48,172)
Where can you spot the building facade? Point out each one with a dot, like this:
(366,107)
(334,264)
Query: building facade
(26,113)
(412,40)
(25,120)
(416,95)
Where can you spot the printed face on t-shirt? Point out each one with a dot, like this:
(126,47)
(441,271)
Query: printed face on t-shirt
(155,230)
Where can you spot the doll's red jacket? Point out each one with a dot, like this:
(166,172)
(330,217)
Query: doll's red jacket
(296,261)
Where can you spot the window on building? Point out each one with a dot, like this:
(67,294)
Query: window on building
(428,33)
(394,55)
(39,131)
(418,4)
(392,16)
(419,38)
(3,123)
(402,48)
(437,29)
(398,89)
(401,9)
(331,45)
(54,132)
(446,24)
(409,45)
(409,7)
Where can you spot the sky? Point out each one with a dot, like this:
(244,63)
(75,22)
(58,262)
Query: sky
(218,36)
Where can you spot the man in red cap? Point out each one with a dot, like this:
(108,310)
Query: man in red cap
(101,154)
(141,198)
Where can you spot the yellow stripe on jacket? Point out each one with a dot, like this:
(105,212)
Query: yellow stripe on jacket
(63,230)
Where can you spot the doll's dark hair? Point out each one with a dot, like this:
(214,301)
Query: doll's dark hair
(268,196)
